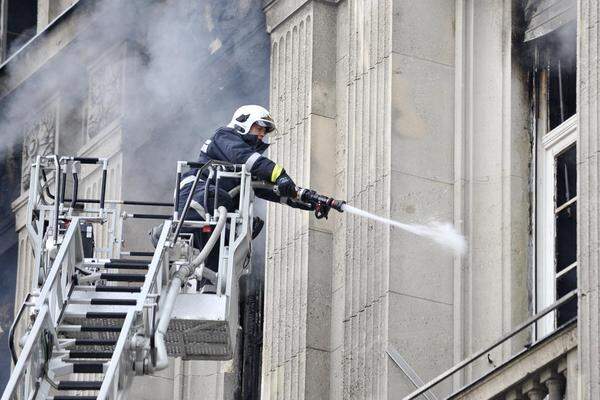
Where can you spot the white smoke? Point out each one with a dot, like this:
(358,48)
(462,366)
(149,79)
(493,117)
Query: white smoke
(188,65)
(182,56)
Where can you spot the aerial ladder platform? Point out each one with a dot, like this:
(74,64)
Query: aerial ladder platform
(94,320)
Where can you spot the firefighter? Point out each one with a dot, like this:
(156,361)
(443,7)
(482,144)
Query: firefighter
(242,141)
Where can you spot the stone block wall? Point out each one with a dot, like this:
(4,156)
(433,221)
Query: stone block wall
(361,252)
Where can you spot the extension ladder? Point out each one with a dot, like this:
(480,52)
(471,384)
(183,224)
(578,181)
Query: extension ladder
(94,320)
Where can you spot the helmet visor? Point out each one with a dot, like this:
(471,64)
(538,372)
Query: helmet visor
(268,125)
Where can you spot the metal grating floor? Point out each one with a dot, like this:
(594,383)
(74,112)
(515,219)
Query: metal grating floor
(198,340)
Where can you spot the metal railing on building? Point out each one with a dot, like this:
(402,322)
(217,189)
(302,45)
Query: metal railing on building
(553,385)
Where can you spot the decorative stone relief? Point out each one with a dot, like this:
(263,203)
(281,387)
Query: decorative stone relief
(105,91)
(39,139)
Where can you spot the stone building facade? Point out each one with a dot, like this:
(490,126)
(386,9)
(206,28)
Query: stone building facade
(480,113)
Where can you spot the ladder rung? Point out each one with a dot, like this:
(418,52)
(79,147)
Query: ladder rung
(88,368)
(123,277)
(100,329)
(113,302)
(107,315)
(95,342)
(89,354)
(130,261)
(125,265)
(79,385)
(79,328)
(131,289)
(137,253)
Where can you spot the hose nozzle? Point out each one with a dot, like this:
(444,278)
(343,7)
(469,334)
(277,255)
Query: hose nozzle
(321,203)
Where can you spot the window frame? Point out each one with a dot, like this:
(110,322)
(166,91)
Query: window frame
(551,145)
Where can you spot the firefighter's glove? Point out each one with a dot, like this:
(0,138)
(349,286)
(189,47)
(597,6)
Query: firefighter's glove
(286,186)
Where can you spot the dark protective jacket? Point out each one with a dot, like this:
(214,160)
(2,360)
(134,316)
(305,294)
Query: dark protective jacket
(228,145)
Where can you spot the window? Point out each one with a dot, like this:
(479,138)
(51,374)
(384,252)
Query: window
(554,101)
(21,24)
(555,83)
(557,224)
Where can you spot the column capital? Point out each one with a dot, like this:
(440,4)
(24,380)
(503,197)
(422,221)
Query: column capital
(548,373)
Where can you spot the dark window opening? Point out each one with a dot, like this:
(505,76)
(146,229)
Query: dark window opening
(565,284)
(565,240)
(566,176)
(21,24)
(555,67)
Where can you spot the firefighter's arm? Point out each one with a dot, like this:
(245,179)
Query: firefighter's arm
(270,195)
(261,167)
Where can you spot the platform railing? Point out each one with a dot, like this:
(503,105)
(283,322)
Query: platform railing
(47,313)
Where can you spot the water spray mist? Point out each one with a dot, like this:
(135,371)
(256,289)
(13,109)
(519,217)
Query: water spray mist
(442,233)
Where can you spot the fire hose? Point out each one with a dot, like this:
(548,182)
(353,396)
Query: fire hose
(162,360)
(321,204)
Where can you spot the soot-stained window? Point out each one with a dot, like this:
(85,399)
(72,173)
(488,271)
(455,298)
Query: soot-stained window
(555,77)
(21,23)
(551,40)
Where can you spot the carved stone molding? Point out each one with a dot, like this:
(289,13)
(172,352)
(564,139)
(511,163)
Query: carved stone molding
(105,91)
(40,134)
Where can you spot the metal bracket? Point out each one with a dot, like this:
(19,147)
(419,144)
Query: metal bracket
(409,372)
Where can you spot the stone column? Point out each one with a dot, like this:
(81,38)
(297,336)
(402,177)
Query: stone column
(491,167)
(514,394)
(534,390)
(43,14)
(48,10)
(296,348)
(360,301)
(554,383)
(588,146)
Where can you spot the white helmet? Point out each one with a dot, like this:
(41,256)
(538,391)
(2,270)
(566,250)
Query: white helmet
(245,116)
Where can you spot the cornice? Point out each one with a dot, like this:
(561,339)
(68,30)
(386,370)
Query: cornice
(279,11)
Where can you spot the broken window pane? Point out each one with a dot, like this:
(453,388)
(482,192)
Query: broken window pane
(562,66)
(555,68)
(566,176)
